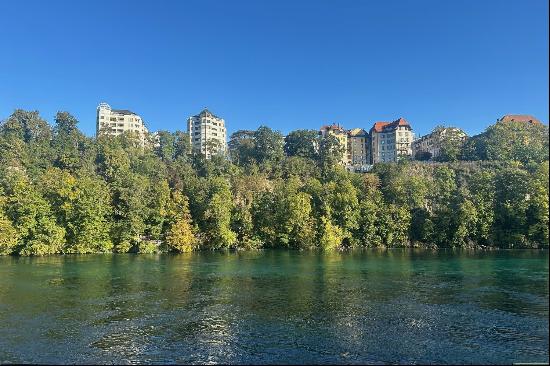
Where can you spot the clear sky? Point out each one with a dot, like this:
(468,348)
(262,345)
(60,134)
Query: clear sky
(287,64)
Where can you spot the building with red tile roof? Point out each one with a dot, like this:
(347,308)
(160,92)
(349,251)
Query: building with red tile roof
(390,141)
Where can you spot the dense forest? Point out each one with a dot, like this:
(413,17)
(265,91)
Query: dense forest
(63,192)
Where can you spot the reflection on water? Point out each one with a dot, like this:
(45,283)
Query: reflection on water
(393,306)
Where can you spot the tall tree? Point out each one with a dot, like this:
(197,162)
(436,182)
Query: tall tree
(303,143)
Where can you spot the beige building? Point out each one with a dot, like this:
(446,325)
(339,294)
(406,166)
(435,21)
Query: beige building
(358,148)
(431,143)
(207,133)
(114,122)
(342,135)
(391,141)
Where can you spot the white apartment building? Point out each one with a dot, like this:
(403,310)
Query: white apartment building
(391,141)
(207,133)
(432,142)
(114,122)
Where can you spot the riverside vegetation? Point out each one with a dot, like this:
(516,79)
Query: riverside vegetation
(63,192)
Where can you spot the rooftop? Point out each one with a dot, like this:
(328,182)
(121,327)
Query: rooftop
(123,111)
(332,127)
(519,118)
(386,126)
(206,113)
(357,132)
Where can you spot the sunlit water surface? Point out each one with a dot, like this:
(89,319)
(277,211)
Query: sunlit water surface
(395,306)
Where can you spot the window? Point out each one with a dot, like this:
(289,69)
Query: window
(112,119)
(121,118)
(101,117)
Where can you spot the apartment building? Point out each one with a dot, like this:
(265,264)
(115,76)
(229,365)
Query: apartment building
(342,135)
(358,148)
(431,144)
(207,133)
(391,141)
(114,122)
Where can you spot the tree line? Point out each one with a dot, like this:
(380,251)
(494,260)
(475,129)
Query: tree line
(64,192)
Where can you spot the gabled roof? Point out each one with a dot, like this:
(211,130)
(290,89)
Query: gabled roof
(378,126)
(357,132)
(519,118)
(387,126)
(401,122)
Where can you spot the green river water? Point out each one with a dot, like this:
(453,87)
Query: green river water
(375,306)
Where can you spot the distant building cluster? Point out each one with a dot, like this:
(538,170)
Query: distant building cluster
(385,141)
(431,144)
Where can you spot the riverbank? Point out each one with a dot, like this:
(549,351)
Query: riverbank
(419,248)
(63,193)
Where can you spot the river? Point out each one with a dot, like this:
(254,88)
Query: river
(373,306)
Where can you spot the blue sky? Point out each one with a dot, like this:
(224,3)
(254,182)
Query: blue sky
(286,64)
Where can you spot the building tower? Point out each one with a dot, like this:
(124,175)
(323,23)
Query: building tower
(207,133)
(114,122)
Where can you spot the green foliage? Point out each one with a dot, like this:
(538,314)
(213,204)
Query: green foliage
(8,233)
(82,206)
(302,143)
(180,235)
(61,192)
(330,153)
(451,144)
(242,147)
(217,216)
(330,235)
(284,216)
(268,146)
(31,216)
(517,141)
(26,126)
